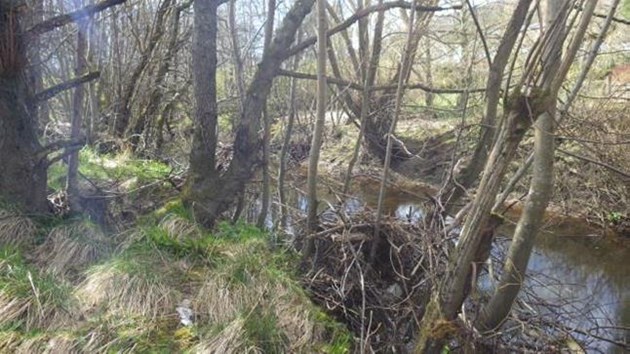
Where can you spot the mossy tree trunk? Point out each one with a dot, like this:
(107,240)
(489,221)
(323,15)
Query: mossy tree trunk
(207,192)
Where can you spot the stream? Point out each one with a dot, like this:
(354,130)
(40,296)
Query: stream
(575,276)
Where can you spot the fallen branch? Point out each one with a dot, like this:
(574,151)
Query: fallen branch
(58,145)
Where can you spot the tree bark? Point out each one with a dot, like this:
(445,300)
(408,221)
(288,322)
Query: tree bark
(23,174)
(207,193)
(541,186)
(456,188)
(72,184)
(266,178)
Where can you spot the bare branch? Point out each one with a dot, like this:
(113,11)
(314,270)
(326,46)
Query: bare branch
(614,19)
(355,86)
(599,163)
(62,20)
(54,90)
(363,13)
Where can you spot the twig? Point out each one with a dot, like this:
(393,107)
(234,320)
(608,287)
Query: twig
(599,163)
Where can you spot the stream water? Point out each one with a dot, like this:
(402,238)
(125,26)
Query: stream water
(574,276)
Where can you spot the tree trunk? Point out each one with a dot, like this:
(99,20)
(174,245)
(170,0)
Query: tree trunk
(316,143)
(266,178)
(541,185)
(72,184)
(123,113)
(456,187)
(207,193)
(23,174)
(405,68)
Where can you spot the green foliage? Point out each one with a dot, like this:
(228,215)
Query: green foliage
(17,279)
(132,294)
(340,338)
(614,217)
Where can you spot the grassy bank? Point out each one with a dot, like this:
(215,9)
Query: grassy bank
(163,285)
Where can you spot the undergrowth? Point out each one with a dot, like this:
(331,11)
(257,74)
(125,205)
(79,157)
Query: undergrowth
(82,291)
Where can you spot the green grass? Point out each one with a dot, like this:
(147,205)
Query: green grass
(28,299)
(127,301)
(122,167)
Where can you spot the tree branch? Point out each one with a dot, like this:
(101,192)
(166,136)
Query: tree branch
(363,13)
(355,86)
(58,145)
(54,90)
(614,19)
(599,163)
(62,20)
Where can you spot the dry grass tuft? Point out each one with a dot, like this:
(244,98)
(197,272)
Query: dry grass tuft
(59,344)
(30,300)
(246,288)
(230,340)
(136,283)
(68,248)
(16,230)
(179,228)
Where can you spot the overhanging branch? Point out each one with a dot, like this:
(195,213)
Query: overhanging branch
(62,20)
(54,90)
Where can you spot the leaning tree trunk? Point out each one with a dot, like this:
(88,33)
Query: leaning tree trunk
(207,193)
(541,186)
(457,186)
